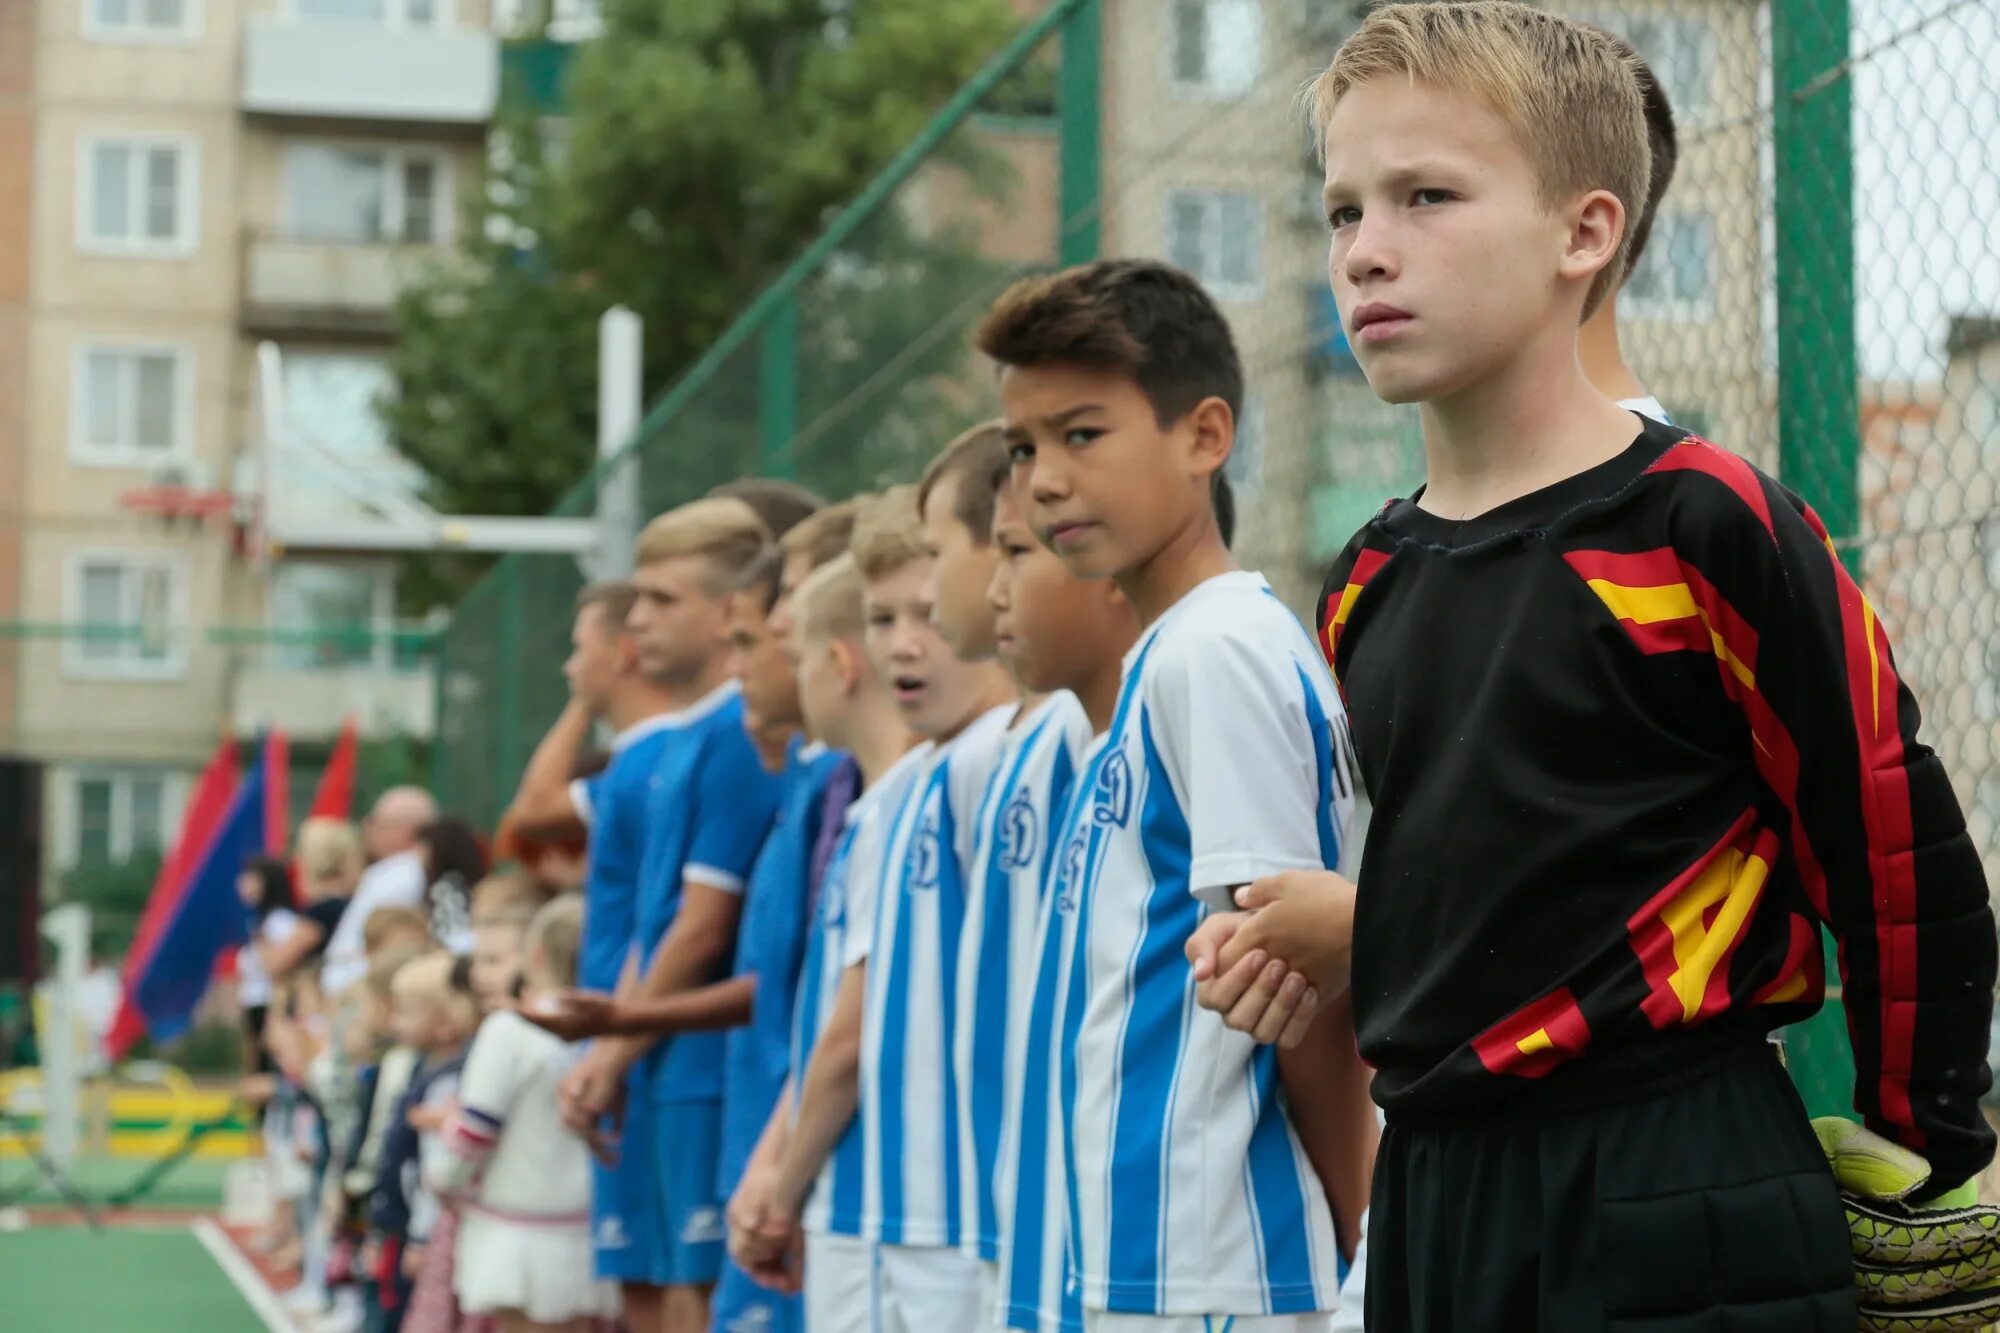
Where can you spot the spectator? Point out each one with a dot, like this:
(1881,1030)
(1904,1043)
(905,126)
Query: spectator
(453,863)
(266,889)
(330,863)
(395,879)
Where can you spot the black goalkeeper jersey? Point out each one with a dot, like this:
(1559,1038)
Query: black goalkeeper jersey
(1630,740)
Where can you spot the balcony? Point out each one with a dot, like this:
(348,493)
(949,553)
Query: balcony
(294,286)
(369,74)
(309,682)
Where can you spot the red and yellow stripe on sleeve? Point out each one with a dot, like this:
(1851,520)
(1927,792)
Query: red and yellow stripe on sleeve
(1367,564)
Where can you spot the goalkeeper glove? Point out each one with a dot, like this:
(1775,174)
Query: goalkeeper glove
(1929,1267)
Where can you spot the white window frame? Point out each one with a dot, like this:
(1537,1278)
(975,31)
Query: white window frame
(394,156)
(97,30)
(187,207)
(1679,309)
(179,452)
(69,829)
(1205,89)
(396,20)
(1212,196)
(173,666)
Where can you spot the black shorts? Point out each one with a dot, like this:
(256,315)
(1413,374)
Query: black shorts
(1702,1207)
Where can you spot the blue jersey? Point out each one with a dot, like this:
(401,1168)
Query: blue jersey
(708,812)
(909,1111)
(842,905)
(1189,1192)
(1038,1287)
(1032,776)
(770,946)
(613,805)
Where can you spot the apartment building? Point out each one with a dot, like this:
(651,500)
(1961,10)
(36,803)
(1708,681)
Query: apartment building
(1208,163)
(208,175)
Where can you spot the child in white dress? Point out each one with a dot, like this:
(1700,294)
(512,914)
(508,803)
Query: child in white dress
(522,1179)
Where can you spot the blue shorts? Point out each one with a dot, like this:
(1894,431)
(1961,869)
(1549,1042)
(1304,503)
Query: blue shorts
(627,1230)
(686,1139)
(741,1306)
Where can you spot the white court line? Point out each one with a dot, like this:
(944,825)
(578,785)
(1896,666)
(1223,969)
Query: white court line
(243,1274)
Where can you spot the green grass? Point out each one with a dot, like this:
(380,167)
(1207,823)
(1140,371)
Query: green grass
(194,1183)
(69,1280)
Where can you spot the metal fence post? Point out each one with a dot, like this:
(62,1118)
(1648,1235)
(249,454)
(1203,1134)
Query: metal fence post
(1078,108)
(1819,415)
(778,387)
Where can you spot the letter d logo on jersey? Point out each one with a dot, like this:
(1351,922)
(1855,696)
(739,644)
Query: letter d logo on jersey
(922,864)
(1113,796)
(1018,832)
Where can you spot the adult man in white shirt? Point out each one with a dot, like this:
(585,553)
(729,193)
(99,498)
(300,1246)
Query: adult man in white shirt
(394,878)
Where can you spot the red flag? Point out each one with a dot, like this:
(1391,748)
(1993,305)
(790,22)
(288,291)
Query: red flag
(205,810)
(335,797)
(277,793)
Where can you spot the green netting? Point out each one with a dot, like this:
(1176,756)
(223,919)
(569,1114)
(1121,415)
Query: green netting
(1821,293)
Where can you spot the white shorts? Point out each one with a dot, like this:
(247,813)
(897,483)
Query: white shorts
(1100,1321)
(839,1284)
(1352,1292)
(927,1289)
(989,1295)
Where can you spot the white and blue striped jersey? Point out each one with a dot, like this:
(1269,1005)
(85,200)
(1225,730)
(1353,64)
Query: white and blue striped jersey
(1227,760)
(909,1113)
(1032,775)
(1038,1289)
(842,907)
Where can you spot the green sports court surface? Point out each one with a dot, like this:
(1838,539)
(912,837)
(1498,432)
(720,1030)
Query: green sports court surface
(145,1278)
(146,1271)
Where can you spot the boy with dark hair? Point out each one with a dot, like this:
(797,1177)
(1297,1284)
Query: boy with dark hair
(1190,1177)
(1064,639)
(955,507)
(1632,736)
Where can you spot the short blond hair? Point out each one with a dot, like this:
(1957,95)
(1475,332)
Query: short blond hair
(508,897)
(329,848)
(722,528)
(1567,90)
(557,930)
(384,924)
(888,534)
(823,536)
(828,605)
(437,977)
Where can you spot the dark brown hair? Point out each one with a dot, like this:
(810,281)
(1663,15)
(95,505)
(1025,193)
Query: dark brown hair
(970,458)
(1664,142)
(1138,317)
(781,504)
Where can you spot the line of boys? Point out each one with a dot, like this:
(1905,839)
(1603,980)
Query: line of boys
(1006,1096)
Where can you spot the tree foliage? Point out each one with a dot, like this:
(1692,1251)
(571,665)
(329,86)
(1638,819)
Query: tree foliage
(707,142)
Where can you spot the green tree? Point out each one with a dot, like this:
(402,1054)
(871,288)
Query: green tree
(707,142)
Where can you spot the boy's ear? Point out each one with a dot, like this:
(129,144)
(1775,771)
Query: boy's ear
(1212,430)
(853,666)
(1596,225)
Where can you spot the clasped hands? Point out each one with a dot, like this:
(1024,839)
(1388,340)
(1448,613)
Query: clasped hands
(1269,966)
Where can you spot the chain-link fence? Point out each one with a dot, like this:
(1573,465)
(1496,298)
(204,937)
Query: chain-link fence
(1821,293)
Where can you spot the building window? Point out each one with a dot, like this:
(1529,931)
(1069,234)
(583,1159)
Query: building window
(1215,46)
(376,13)
(327,614)
(138,196)
(130,406)
(1218,237)
(365,195)
(121,612)
(1675,277)
(117,814)
(142,20)
(1682,54)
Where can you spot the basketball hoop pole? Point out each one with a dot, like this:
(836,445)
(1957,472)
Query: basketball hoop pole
(620,335)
